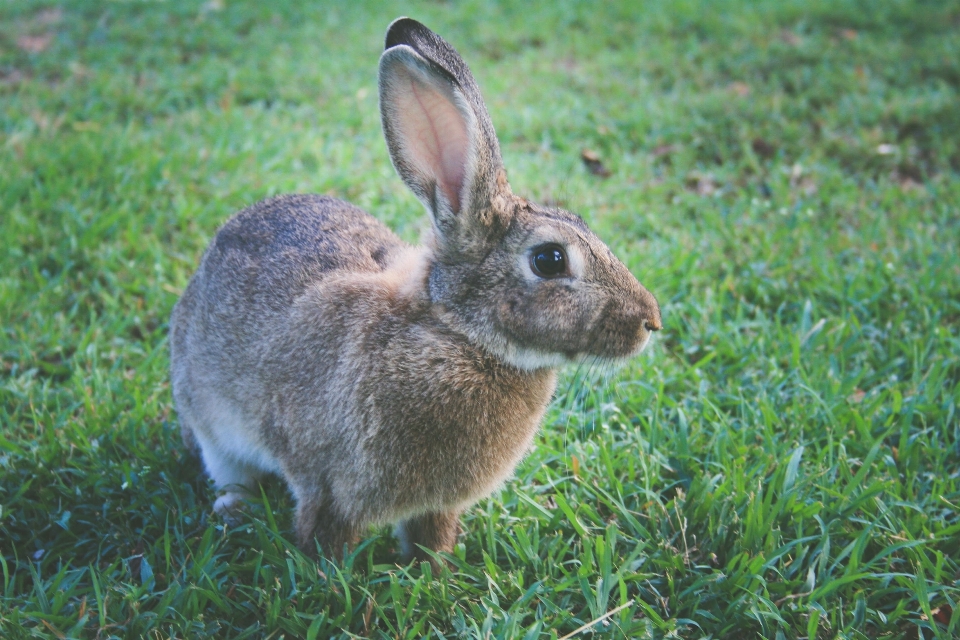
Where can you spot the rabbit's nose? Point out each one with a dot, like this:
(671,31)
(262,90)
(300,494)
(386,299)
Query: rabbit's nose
(653,324)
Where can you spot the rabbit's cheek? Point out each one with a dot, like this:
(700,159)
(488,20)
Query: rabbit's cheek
(548,320)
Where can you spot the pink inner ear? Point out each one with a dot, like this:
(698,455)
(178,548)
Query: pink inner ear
(434,134)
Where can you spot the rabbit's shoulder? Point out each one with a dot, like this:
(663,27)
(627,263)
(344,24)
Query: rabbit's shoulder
(311,231)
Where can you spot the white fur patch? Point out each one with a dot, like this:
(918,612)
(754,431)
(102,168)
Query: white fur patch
(533,359)
(230,444)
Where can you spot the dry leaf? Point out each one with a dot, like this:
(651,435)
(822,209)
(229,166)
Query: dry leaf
(790,38)
(10,77)
(49,16)
(908,184)
(593,163)
(35,44)
(663,150)
(802,181)
(53,629)
(763,148)
(569,64)
(701,184)
(367,614)
(807,186)
(45,122)
(943,613)
(742,89)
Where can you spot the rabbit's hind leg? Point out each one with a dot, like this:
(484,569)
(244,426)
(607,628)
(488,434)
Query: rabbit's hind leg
(318,520)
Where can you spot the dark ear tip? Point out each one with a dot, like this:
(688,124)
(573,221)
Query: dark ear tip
(403,31)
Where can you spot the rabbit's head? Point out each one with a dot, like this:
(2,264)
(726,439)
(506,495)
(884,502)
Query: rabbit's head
(529,283)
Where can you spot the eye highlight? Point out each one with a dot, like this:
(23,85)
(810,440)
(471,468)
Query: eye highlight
(549,261)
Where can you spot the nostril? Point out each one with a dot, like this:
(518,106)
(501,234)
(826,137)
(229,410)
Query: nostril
(652,324)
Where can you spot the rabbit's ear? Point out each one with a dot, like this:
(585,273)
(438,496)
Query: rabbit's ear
(437,128)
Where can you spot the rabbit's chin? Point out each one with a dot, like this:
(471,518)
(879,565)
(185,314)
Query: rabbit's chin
(532,359)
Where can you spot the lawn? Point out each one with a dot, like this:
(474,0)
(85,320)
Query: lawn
(783,462)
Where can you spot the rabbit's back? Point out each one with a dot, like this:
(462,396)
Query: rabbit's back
(262,260)
(239,301)
(266,255)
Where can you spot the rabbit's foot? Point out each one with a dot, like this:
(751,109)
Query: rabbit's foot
(317,521)
(436,531)
(230,506)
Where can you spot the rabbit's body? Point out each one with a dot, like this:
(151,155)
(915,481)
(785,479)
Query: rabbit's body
(384,382)
(264,384)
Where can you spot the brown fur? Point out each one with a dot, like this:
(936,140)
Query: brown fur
(383,382)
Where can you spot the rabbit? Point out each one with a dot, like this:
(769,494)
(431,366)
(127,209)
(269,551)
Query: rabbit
(389,383)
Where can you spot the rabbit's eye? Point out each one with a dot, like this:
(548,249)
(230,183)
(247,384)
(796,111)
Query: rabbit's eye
(549,261)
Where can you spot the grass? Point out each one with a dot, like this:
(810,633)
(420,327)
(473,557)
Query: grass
(783,463)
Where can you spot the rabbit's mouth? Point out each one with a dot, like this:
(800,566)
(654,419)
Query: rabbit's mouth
(619,358)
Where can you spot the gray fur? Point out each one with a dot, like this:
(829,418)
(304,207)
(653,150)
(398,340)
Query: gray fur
(384,382)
